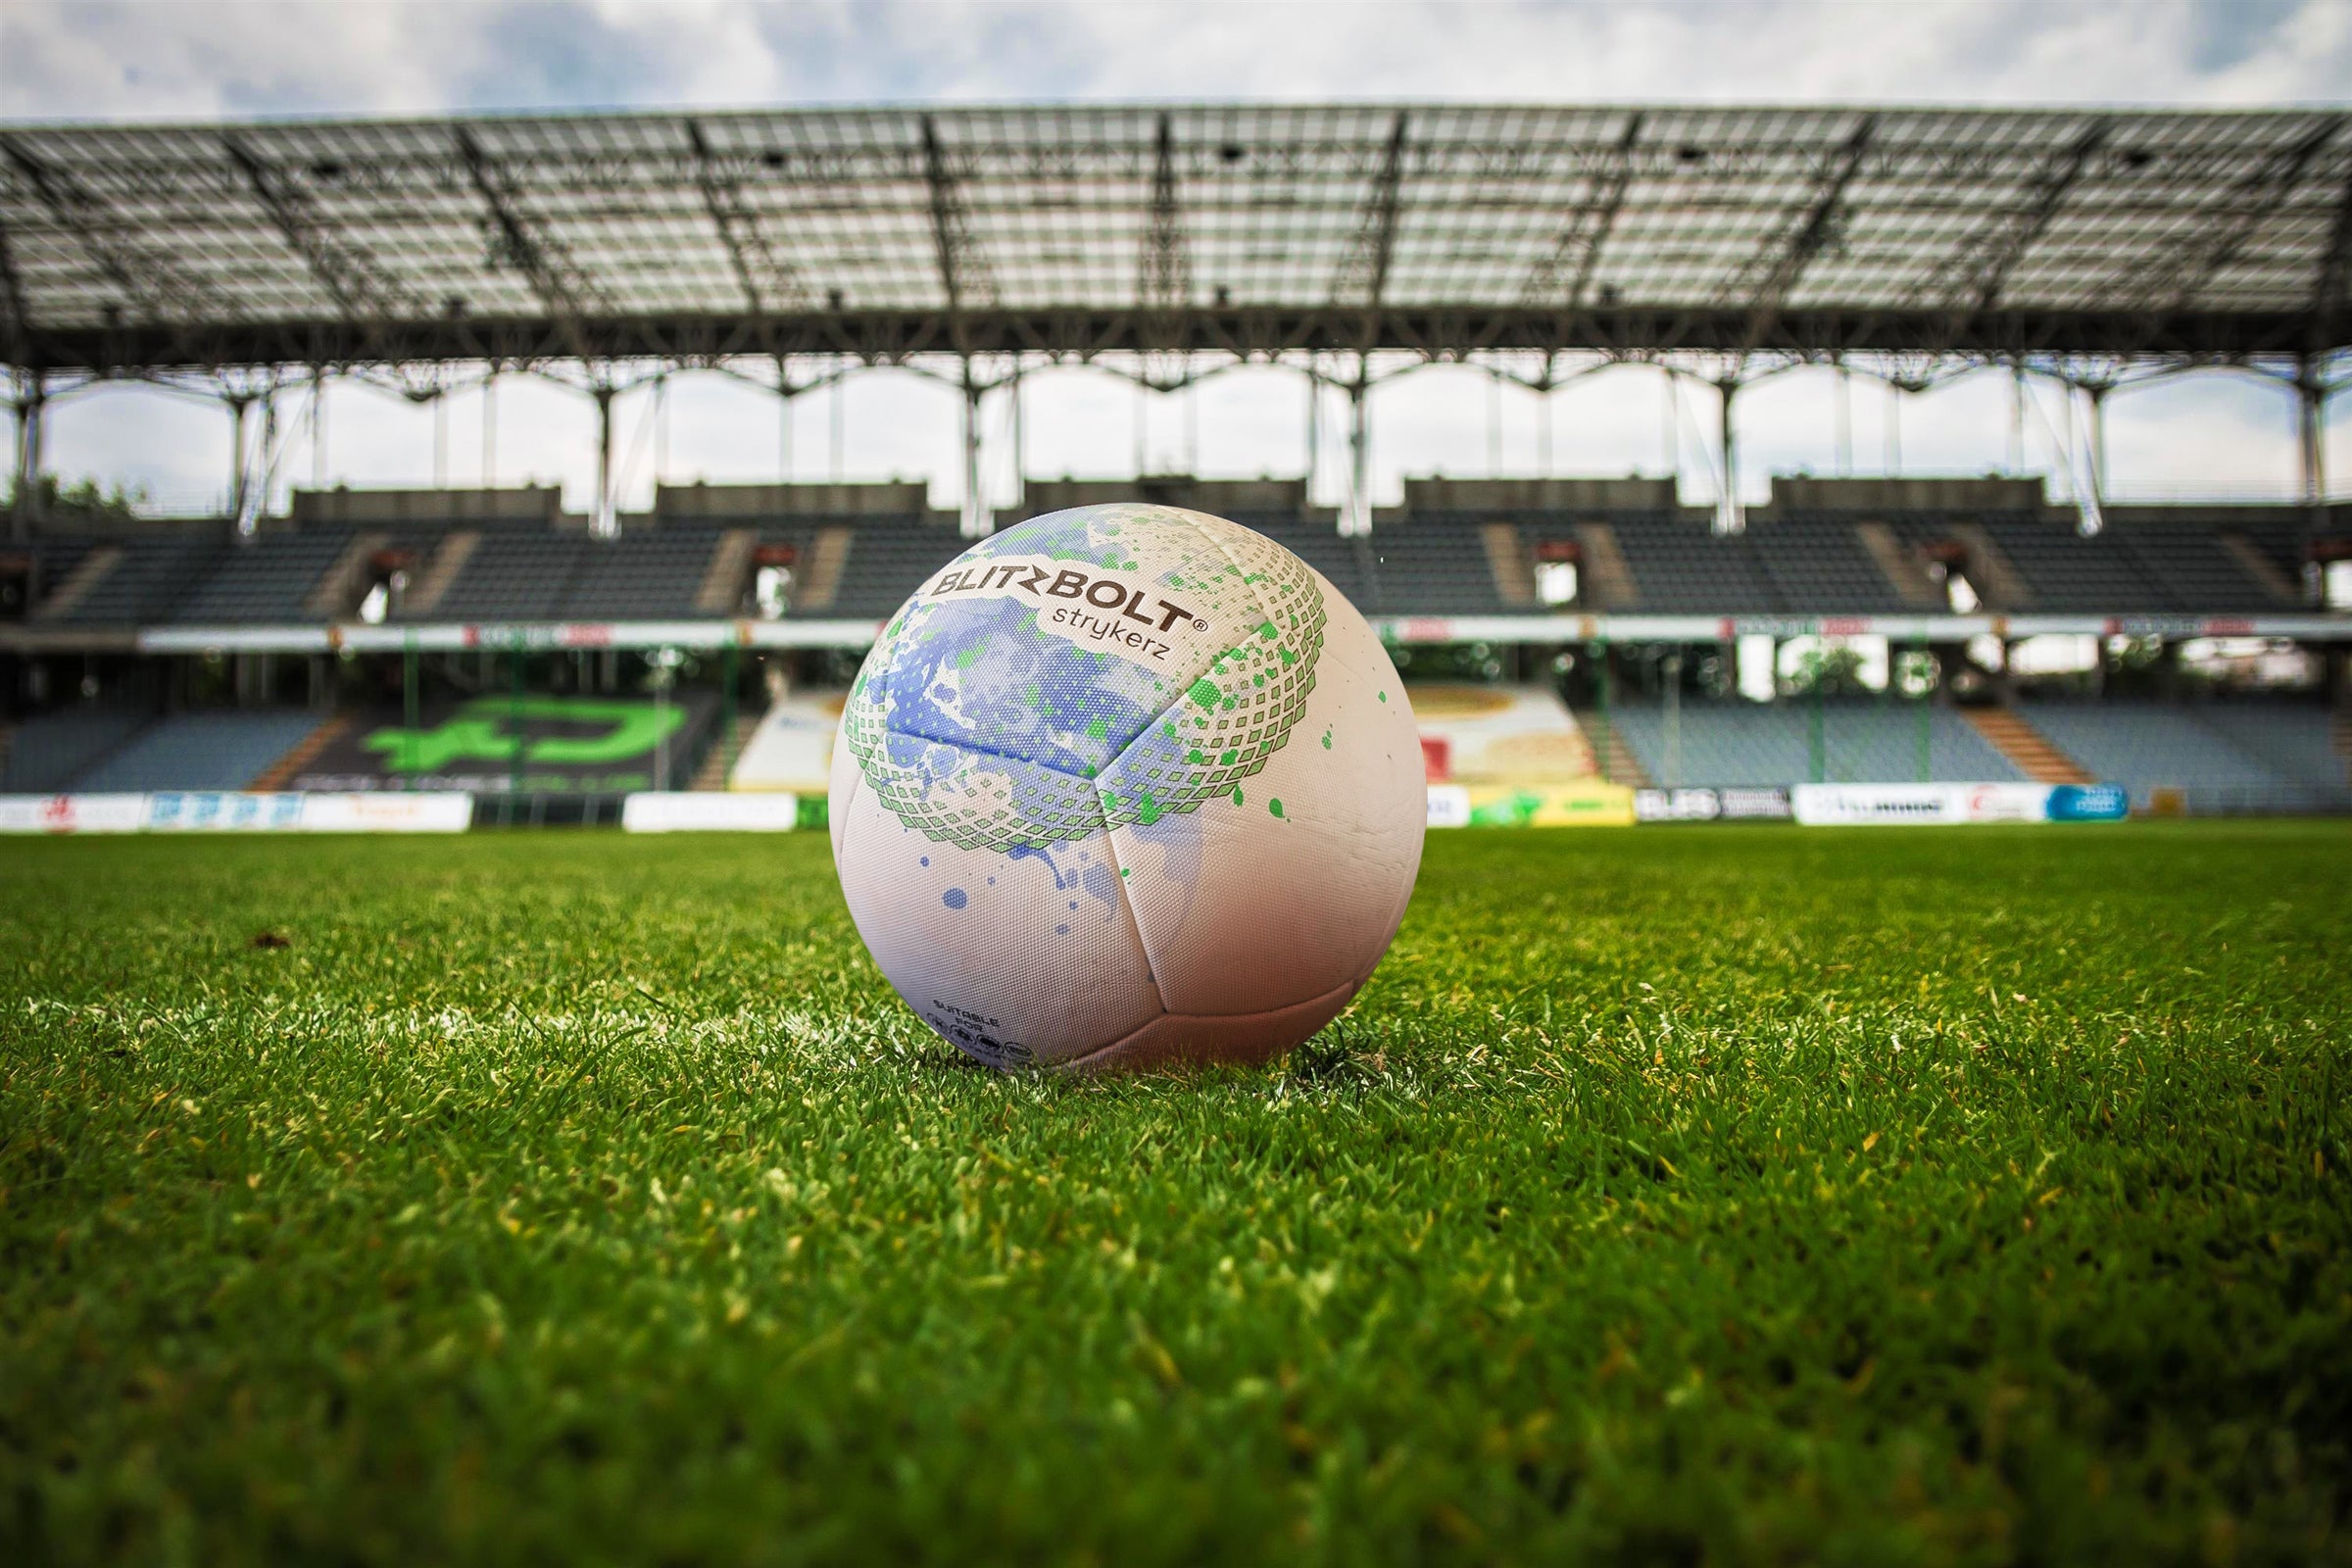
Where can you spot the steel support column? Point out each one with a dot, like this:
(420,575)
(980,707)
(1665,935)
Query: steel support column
(30,497)
(783,425)
(1728,518)
(2094,507)
(239,474)
(253,494)
(2311,432)
(1846,420)
(2017,419)
(1314,430)
(2098,441)
(603,522)
(319,427)
(1360,460)
(1021,440)
(1543,411)
(975,520)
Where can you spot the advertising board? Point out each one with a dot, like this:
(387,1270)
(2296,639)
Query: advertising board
(792,747)
(490,745)
(236,811)
(1516,735)
(1746,803)
(681,812)
(1586,803)
(1852,804)
(72,814)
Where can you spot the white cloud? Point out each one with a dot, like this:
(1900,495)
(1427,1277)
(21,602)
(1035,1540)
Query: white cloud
(143,59)
(182,59)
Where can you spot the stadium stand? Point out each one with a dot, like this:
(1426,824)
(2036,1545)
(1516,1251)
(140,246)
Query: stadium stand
(515,575)
(889,558)
(266,580)
(2195,568)
(2149,746)
(640,575)
(1458,547)
(148,579)
(1435,566)
(47,751)
(54,561)
(200,750)
(1864,742)
(2295,738)
(510,576)
(1820,564)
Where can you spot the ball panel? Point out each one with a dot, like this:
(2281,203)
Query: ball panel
(1177,1040)
(841,782)
(1057,640)
(1019,957)
(1293,882)
(1049,840)
(995,655)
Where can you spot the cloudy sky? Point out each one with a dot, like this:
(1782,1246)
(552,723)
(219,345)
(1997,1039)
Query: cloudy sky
(197,59)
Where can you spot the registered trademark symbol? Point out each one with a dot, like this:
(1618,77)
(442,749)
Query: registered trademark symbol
(1198,624)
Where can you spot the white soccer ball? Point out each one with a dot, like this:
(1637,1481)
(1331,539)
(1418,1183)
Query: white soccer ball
(1125,786)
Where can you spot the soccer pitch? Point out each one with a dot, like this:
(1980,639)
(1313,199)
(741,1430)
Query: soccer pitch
(1883,1196)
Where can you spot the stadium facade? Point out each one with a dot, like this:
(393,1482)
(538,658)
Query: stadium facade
(2088,249)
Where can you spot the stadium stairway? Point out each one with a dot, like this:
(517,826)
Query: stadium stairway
(200,750)
(86,574)
(47,752)
(1616,761)
(727,746)
(278,775)
(426,592)
(2029,751)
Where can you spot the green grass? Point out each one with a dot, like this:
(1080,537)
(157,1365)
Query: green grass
(1739,1194)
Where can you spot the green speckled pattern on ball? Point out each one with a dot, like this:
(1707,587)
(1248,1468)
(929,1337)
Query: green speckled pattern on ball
(978,724)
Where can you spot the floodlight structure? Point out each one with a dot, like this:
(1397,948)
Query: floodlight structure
(2098,249)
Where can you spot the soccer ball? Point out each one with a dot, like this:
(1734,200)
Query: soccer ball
(1125,786)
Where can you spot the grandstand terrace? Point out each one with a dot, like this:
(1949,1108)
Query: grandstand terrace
(2084,250)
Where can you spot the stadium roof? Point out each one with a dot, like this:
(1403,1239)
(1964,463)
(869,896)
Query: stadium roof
(1253,229)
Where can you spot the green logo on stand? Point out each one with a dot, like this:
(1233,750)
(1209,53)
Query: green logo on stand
(477,732)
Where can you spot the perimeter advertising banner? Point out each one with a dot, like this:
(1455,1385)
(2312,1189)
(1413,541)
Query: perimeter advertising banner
(72,814)
(235,812)
(1753,803)
(1589,803)
(711,811)
(792,747)
(490,745)
(1516,735)
(1851,805)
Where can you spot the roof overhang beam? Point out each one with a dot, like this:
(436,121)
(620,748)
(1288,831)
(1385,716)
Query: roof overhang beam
(1375,246)
(1164,277)
(2171,281)
(562,287)
(768,282)
(348,276)
(1780,266)
(963,270)
(145,280)
(2335,276)
(1970,282)
(1576,254)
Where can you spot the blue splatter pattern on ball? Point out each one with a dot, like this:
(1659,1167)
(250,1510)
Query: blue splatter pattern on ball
(977,725)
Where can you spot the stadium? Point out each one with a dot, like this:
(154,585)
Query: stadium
(1747,1185)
